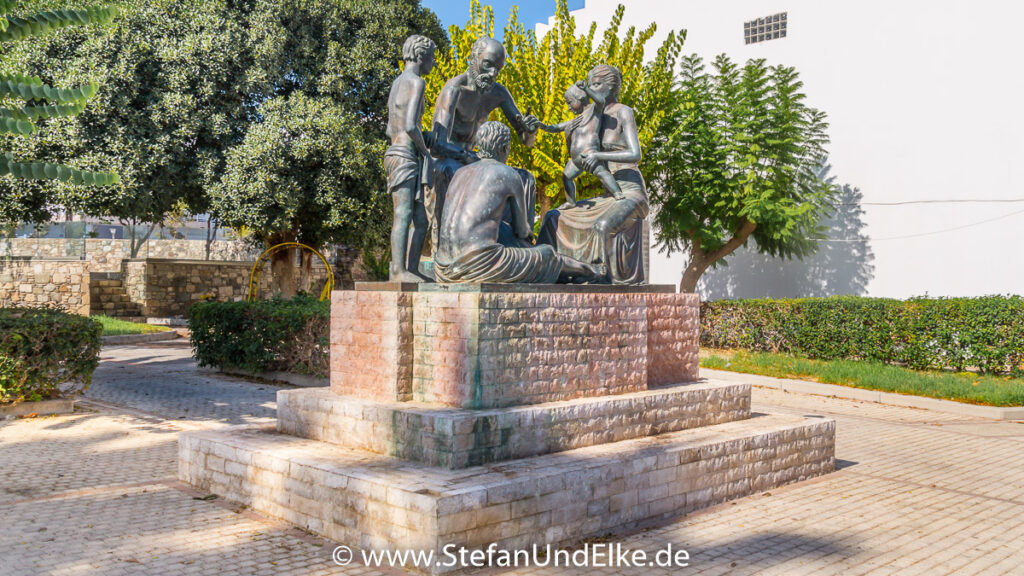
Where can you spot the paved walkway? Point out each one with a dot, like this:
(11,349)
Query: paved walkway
(917,492)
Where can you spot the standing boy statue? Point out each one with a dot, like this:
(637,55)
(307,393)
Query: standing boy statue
(407,162)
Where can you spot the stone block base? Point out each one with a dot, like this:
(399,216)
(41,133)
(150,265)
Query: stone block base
(493,346)
(378,502)
(456,438)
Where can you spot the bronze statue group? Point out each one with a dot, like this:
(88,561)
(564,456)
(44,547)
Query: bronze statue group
(452,186)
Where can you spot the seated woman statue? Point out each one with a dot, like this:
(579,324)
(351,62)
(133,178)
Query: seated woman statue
(607,230)
(469,246)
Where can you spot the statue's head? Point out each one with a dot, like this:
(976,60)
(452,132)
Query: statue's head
(419,50)
(493,140)
(576,98)
(486,59)
(605,80)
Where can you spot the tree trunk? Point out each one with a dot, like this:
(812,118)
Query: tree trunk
(694,270)
(282,266)
(700,260)
(134,243)
(306,279)
(211,234)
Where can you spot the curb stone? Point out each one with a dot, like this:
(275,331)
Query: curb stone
(139,338)
(300,380)
(40,408)
(865,395)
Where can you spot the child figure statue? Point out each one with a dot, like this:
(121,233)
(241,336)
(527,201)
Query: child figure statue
(583,138)
(407,161)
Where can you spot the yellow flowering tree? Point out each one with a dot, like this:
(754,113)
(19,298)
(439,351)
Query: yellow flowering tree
(538,71)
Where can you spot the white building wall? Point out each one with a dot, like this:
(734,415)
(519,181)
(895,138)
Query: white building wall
(925,103)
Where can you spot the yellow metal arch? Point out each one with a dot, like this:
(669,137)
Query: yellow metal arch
(254,276)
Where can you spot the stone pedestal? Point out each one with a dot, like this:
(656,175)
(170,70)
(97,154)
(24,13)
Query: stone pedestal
(474,346)
(516,415)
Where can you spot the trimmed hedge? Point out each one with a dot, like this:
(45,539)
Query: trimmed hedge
(262,336)
(986,334)
(46,353)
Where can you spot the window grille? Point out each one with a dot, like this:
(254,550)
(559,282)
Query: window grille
(767,28)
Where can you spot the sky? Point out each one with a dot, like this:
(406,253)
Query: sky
(530,11)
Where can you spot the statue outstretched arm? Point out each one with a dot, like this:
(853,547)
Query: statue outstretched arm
(562,127)
(525,126)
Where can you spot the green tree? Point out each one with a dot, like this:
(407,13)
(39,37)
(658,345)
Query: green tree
(741,160)
(538,72)
(173,100)
(26,102)
(309,172)
(185,79)
(331,57)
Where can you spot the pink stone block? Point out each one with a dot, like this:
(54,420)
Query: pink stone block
(371,345)
(492,350)
(673,338)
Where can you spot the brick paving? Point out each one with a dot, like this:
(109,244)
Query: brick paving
(161,378)
(917,492)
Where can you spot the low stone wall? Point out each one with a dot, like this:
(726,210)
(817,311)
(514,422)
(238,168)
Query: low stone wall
(164,288)
(105,255)
(60,284)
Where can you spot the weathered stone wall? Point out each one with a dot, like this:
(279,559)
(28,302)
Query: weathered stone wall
(60,284)
(496,349)
(673,338)
(492,350)
(371,344)
(105,255)
(456,438)
(164,288)
(376,503)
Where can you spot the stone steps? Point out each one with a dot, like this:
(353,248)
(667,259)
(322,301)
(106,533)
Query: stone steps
(382,503)
(108,297)
(457,438)
(514,415)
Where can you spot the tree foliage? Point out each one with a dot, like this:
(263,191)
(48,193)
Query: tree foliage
(741,160)
(173,99)
(346,50)
(538,72)
(309,172)
(26,102)
(309,168)
(184,80)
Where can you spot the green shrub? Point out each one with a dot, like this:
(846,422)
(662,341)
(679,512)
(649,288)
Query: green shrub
(46,353)
(262,336)
(984,333)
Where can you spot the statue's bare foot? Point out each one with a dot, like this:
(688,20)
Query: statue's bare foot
(405,277)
